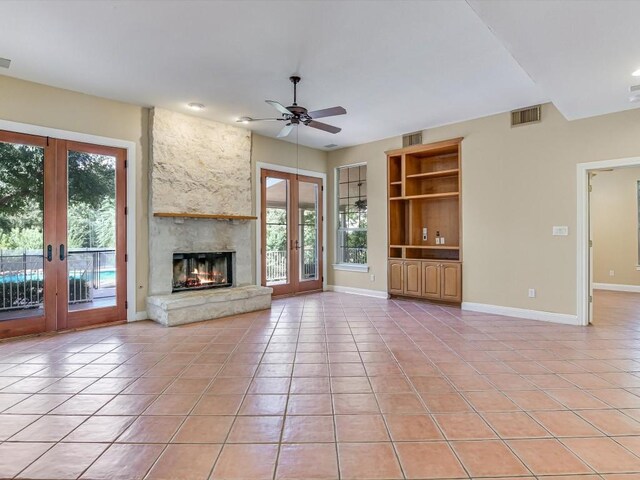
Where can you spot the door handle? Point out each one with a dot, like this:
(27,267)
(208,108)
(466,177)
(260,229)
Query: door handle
(49,253)
(61,252)
(297,245)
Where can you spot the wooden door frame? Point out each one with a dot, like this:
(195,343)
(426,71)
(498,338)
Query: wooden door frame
(39,323)
(92,316)
(309,285)
(133,292)
(258,212)
(56,316)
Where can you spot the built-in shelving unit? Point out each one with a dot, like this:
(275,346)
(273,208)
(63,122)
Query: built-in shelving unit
(424,193)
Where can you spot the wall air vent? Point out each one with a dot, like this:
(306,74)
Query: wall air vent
(5,62)
(409,139)
(524,116)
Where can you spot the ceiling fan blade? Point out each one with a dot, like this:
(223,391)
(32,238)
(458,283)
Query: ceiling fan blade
(327,112)
(278,106)
(323,126)
(249,119)
(286,130)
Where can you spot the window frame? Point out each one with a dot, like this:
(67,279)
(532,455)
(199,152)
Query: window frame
(339,265)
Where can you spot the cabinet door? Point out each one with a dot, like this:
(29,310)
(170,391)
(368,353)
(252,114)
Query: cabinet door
(451,282)
(395,277)
(431,280)
(413,278)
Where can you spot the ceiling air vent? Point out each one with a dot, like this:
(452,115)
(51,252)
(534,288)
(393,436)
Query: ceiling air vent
(409,139)
(331,145)
(5,62)
(524,116)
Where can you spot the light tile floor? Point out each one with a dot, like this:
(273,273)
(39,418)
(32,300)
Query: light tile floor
(326,386)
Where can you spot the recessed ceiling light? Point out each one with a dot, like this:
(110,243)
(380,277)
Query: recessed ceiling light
(196,106)
(5,62)
(636,73)
(244,120)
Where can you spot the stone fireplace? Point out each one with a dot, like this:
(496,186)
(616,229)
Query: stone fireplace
(200,266)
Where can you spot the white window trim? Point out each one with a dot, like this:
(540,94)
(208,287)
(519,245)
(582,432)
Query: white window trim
(347,267)
(351,267)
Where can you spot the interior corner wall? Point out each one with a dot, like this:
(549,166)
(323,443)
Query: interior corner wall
(614,226)
(517,183)
(45,106)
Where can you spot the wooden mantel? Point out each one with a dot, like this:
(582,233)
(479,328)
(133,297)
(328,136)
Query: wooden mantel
(205,215)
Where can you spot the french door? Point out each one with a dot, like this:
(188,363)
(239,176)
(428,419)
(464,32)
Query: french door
(291,232)
(62,234)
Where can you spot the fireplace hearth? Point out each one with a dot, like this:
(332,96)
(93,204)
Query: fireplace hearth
(202,270)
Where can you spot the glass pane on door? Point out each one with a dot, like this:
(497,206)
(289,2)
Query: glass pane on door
(276,231)
(21,231)
(91,230)
(308,230)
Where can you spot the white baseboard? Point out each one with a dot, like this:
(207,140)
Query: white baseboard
(139,316)
(357,291)
(617,287)
(522,313)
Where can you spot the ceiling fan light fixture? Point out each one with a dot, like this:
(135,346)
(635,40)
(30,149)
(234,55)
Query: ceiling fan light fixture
(196,106)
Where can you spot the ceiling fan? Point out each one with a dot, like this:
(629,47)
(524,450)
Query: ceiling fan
(296,115)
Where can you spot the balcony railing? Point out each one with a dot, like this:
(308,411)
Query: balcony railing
(277,265)
(356,255)
(91,273)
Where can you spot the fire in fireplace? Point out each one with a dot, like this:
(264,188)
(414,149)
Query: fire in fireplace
(197,271)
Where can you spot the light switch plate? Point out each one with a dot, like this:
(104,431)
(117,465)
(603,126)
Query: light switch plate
(560,231)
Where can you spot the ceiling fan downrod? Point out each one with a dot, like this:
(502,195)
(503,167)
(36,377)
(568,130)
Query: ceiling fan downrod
(294,79)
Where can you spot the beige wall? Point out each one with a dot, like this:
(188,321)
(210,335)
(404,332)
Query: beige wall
(614,226)
(45,106)
(517,183)
(279,152)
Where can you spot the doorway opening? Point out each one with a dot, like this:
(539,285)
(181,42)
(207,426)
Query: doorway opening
(615,243)
(291,232)
(608,270)
(62,234)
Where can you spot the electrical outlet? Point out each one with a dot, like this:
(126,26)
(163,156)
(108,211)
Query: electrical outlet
(612,273)
(372,277)
(424,234)
(532,293)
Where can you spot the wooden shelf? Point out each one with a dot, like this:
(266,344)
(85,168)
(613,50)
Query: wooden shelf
(428,247)
(399,182)
(427,196)
(205,215)
(437,174)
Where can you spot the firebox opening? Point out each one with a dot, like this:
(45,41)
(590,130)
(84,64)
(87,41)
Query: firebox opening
(197,271)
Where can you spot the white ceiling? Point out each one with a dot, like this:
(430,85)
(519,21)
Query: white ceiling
(396,66)
(580,53)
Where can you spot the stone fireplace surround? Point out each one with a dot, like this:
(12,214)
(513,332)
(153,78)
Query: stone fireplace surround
(204,167)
